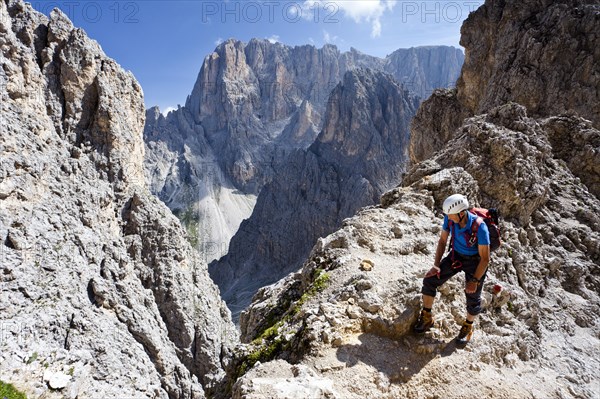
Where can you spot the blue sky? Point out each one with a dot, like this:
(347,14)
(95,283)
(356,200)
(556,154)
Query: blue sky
(164,42)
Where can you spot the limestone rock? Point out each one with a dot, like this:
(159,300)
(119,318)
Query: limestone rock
(370,302)
(366,265)
(282,380)
(547,262)
(534,336)
(56,380)
(99,284)
(449,115)
(577,143)
(538,55)
(184,172)
(424,69)
(491,148)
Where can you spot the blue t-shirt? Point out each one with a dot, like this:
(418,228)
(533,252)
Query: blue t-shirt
(461,238)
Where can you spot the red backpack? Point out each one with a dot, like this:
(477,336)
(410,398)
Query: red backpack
(491,218)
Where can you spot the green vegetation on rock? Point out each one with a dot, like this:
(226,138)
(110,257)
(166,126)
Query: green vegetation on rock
(8,391)
(319,284)
(271,342)
(190,220)
(32,358)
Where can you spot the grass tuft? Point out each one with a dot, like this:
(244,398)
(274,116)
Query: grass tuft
(8,391)
(32,358)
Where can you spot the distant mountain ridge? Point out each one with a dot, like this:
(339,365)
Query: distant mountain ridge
(252,105)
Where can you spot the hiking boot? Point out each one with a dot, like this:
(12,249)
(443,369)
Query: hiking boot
(465,334)
(424,322)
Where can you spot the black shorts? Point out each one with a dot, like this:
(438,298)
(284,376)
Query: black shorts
(467,264)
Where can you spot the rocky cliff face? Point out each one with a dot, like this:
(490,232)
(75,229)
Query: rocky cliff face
(183,170)
(423,69)
(360,153)
(101,295)
(252,105)
(539,55)
(346,315)
(434,124)
(545,57)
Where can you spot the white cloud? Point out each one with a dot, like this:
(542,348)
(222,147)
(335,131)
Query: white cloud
(218,41)
(361,11)
(293,10)
(376,29)
(327,38)
(311,40)
(273,38)
(167,110)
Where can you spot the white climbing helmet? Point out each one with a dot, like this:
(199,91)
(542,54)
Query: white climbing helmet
(455,204)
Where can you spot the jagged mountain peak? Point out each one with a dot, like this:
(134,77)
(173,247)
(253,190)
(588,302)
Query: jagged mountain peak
(252,105)
(263,42)
(153,114)
(362,108)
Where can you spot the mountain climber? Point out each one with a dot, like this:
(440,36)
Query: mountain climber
(470,254)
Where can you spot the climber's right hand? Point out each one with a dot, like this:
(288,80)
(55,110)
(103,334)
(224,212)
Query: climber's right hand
(434,271)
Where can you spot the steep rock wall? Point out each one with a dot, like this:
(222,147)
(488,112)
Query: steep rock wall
(540,55)
(101,294)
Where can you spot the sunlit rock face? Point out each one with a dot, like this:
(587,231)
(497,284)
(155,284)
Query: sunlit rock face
(101,294)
